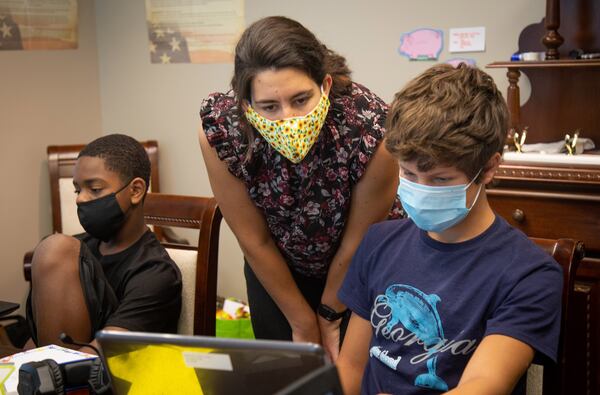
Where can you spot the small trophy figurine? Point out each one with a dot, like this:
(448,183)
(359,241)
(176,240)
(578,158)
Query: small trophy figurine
(571,143)
(520,140)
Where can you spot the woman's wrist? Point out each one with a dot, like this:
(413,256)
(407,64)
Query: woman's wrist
(331,300)
(330,314)
(302,318)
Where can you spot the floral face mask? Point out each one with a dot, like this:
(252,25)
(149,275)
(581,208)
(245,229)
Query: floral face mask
(292,137)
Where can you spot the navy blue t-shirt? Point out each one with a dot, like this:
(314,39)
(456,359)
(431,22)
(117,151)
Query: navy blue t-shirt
(431,303)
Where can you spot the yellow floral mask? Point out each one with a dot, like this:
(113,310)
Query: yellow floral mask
(291,137)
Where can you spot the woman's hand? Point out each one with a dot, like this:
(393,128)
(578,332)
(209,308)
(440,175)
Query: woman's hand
(330,337)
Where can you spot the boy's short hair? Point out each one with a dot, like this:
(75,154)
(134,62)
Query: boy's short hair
(122,154)
(450,117)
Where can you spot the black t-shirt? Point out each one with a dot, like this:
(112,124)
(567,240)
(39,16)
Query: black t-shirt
(146,282)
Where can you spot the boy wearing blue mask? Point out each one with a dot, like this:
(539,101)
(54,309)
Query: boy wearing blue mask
(453,298)
(116,275)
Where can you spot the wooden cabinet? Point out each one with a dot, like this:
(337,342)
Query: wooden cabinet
(560,199)
(549,215)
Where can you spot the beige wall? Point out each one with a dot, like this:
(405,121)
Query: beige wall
(46,97)
(49,97)
(162,101)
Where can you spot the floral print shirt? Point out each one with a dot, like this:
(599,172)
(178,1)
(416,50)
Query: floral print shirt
(306,205)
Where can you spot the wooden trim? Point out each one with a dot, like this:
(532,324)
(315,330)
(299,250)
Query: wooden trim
(543,64)
(546,195)
(53,161)
(508,171)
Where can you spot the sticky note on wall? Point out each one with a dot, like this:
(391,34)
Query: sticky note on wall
(466,39)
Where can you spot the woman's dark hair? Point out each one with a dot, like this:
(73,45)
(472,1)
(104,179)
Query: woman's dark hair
(278,42)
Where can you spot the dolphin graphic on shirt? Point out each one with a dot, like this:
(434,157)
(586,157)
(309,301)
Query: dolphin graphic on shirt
(417,312)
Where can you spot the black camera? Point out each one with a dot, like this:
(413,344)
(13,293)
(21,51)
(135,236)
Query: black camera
(47,377)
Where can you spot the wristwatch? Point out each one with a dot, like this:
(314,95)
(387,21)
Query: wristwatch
(328,313)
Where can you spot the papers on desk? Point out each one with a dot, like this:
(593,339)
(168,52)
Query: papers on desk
(582,144)
(554,153)
(5,372)
(9,366)
(552,159)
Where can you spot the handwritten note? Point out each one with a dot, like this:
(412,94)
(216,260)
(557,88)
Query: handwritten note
(467,39)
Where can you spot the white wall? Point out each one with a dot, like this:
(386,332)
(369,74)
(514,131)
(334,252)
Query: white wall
(46,97)
(367,33)
(162,101)
(56,97)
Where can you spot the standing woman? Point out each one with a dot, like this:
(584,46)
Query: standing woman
(295,160)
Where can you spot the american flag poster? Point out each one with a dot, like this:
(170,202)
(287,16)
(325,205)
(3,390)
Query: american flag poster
(193,31)
(31,24)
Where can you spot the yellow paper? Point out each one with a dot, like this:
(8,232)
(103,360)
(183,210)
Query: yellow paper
(154,369)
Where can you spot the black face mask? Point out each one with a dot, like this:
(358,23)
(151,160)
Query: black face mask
(102,218)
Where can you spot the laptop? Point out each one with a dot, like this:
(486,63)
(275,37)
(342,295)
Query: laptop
(148,363)
(323,381)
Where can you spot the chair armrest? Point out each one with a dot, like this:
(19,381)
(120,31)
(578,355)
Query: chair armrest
(27,265)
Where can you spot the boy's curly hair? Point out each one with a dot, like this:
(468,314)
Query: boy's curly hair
(448,116)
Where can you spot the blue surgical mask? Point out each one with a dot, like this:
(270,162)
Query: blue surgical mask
(435,209)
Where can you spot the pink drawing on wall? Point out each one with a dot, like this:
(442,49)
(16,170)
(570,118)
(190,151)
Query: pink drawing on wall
(422,44)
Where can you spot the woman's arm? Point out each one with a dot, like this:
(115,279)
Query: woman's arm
(372,199)
(250,228)
(354,355)
(496,366)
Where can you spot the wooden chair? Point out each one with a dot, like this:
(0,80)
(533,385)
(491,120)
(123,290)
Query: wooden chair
(198,264)
(568,253)
(61,164)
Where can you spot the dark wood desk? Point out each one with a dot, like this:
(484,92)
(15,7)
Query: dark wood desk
(8,350)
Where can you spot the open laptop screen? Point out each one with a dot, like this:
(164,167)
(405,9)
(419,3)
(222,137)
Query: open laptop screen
(145,363)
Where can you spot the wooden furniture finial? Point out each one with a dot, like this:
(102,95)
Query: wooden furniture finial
(552,39)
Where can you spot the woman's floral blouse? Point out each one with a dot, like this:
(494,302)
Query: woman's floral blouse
(306,205)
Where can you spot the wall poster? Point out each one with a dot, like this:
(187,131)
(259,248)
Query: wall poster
(194,31)
(30,24)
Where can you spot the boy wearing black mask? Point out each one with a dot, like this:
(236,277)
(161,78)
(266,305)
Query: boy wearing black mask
(116,275)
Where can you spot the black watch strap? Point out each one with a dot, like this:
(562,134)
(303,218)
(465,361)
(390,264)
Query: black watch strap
(328,313)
